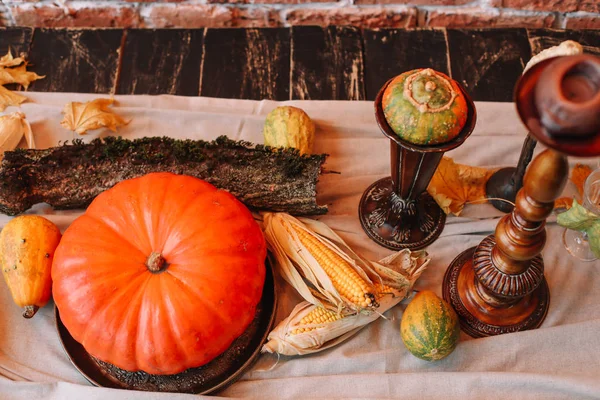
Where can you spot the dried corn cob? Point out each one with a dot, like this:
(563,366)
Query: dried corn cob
(344,278)
(318,316)
(295,335)
(334,281)
(382,290)
(309,328)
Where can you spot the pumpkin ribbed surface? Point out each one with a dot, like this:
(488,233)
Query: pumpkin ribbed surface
(424,107)
(160,274)
(429,327)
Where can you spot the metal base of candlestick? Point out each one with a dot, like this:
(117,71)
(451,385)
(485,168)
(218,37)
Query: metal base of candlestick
(501,185)
(477,318)
(397,223)
(506,182)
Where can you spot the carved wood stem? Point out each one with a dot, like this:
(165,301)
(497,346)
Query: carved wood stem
(508,265)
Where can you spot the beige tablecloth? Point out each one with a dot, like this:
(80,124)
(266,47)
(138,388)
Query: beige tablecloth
(561,360)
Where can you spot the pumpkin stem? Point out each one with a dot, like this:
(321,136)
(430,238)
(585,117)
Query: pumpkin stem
(30,311)
(430,86)
(156,262)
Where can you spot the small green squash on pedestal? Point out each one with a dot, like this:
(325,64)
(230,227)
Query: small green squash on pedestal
(425,107)
(429,328)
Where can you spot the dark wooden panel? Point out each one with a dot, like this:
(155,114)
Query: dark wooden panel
(390,52)
(327,63)
(488,62)
(246,64)
(18,39)
(541,39)
(76,60)
(165,61)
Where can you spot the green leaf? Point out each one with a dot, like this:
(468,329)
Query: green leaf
(578,218)
(593,233)
(581,219)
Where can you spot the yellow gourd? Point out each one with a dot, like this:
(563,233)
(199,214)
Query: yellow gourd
(429,327)
(27,245)
(288,126)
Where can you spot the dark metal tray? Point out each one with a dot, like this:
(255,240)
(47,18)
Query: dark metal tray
(210,378)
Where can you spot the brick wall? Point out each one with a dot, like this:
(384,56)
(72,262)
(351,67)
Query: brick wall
(571,14)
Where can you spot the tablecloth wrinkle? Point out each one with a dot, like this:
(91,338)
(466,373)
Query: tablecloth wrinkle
(560,360)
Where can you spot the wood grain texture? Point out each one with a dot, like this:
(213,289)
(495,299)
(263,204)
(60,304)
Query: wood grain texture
(18,39)
(76,60)
(488,62)
(340,63)
(541,39)
(327,63)
(175,53)
(246,64)
(390,52)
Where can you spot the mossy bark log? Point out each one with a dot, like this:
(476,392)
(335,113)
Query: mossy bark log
(72,175)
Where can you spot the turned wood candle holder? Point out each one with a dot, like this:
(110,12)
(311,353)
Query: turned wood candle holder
(506,182)
(499,286)
(397,212)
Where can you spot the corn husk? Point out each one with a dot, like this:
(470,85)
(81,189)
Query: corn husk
(297,265)
(12,129)
(284,341)
(398,272)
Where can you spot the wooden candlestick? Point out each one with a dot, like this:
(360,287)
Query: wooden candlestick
(499,286)
(506,182)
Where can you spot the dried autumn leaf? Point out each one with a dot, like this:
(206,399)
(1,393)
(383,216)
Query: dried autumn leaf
(9,98)
(18,75)
(453,185)
(578,176)
(563,203)
(83,117)
(9,61)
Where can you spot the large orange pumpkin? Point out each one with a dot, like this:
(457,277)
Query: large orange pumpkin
(160,274)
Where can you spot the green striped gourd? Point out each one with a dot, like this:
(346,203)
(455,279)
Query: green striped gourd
(288,126)
(424,107)
(429,327)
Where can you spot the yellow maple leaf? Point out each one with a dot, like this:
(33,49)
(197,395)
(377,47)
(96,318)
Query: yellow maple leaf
(9,98)
(18,75)
(83,117)
(9,61)
(453,185)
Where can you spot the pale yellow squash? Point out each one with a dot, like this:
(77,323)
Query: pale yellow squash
(288,126)
(27,245)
